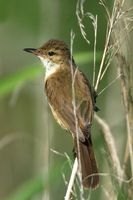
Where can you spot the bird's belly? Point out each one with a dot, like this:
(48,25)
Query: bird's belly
(58,118)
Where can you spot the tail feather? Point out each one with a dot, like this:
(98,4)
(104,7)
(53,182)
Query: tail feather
(88,165)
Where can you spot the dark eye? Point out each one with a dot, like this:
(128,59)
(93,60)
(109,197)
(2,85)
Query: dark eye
(51,53)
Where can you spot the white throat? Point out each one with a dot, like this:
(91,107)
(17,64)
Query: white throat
(50,66)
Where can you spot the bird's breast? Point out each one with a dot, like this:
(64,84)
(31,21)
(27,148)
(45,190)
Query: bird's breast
(58,89)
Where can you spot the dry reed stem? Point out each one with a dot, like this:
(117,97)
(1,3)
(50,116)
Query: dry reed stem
(73,74)
(128,104)
(120,21)
(77,164)
(72,179)
(124,64)
(109,141)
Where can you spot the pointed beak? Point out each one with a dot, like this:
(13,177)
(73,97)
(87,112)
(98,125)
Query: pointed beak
(31,50)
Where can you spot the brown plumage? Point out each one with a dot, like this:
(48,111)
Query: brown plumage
(58,87)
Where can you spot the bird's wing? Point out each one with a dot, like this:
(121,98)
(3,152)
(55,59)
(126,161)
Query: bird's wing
(74,113)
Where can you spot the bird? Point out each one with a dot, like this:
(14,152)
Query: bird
(72,101)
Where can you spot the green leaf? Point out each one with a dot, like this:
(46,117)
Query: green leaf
(84,57)
(12,81)
(36,185)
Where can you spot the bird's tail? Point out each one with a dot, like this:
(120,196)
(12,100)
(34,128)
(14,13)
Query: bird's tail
(86,158)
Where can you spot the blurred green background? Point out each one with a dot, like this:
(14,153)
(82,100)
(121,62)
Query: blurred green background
(28,131)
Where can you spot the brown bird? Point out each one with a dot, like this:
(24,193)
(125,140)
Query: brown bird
(72,102)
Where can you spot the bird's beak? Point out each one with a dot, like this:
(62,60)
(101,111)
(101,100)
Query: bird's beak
(31,50)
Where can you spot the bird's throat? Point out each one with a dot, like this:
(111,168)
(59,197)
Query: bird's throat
(50,67)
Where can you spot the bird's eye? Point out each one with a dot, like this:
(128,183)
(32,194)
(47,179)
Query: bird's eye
(51,53)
